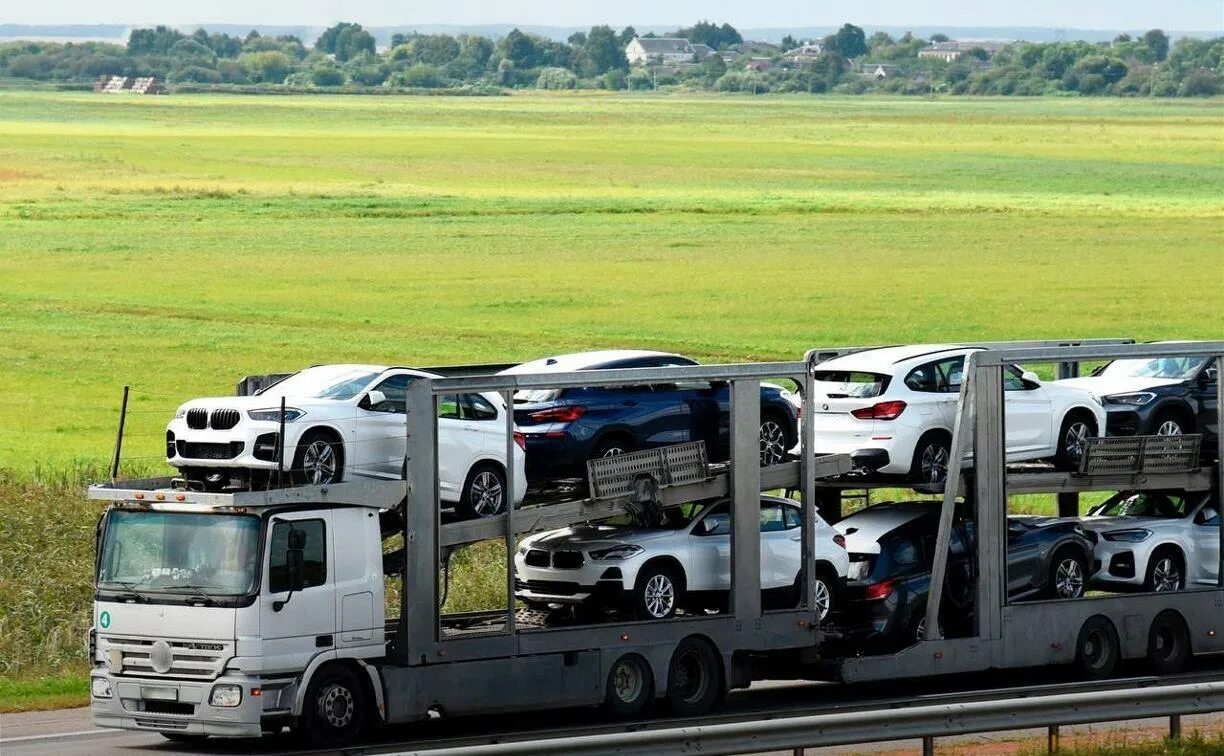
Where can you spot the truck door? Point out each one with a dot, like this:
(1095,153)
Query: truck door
(306,621)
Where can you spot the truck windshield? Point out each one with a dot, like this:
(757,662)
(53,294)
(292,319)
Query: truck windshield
(170,552)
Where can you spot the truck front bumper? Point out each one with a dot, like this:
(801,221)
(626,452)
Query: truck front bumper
(177,706)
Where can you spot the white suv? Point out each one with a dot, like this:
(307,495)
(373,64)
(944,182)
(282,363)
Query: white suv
(346,421)
(683,561)
(894,408)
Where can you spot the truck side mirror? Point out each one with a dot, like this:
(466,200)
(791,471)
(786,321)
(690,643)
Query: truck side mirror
(295,562)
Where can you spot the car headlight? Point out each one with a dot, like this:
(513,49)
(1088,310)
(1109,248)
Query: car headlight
(180,413)
(1134,535)
(616,552)
(1137,399)
(225,696)
(100,687)
(273,415)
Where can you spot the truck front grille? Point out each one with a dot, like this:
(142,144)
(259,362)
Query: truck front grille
(197,660)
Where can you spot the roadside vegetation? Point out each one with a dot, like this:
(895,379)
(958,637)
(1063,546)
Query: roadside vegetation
(177,244)
(348,58)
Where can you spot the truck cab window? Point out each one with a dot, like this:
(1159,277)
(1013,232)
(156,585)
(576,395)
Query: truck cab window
(314,555)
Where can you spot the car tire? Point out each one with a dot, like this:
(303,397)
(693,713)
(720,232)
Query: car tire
(319,459)
(612,446)
(1168,643)
(1169,424)
(1077,427)
(1096,649)
(774,440)
(484,492)
(630,687)
(1068,575)
(931,457)
(657,592)
(826,596)
(1166,572)
(334,711)
(694,678)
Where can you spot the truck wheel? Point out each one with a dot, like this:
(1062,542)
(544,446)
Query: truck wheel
(319,460)
(334,711)
(1168,643)
(694,678)
(1068,571)
(629,687)
(656,593)
(1096,650)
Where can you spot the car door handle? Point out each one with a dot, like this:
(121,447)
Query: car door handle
(796,538)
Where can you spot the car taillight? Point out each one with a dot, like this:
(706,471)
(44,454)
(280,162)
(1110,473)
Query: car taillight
(879,591)
(840,540)
(566,414)
(882,411)
(521,440)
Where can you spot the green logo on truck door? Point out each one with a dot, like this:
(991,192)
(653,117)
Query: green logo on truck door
(104,620)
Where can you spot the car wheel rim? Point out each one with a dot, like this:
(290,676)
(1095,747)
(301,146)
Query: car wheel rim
(319,462)
(1169,428)
(822,600)
(1069,579)
(773,443)
(934,463)
(660,596)
(612,451)
(1076,440)
(486,494)
(336,706)
(627,681)
(920,631)
(1165,576)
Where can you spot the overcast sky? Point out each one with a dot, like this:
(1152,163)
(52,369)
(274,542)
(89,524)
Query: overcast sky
(1202,15)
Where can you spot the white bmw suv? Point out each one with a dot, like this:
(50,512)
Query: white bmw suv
(342,422)
(683,561)
(893,409)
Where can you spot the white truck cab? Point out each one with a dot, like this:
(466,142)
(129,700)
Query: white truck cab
(213,613)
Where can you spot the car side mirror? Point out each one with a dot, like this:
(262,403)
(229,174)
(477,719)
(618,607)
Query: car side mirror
(1210,375)
(372,399)
(1028,376)
(1205,515)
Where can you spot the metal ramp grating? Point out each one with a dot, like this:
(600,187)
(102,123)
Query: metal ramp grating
(1141,454)
(616,477)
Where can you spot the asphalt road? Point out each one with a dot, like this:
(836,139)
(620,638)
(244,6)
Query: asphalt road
(70,732)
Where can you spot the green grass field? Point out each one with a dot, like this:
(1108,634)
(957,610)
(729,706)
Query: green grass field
(178,243)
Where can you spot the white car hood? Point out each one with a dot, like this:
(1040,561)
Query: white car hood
(1103,385)
(596,536)
(270,400)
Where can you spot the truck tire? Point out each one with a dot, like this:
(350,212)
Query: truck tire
(334,711)
(694,678)
(629,689)
(1097,649)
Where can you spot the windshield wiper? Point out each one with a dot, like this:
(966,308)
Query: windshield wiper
(133,594)
(198,590)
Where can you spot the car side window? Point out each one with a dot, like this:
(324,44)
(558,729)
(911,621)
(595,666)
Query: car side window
(476,407)
(772,519)
(792,516)
(904,553)
(717,522)
(314,561)
(395,389)
(448,406)
(1012,380)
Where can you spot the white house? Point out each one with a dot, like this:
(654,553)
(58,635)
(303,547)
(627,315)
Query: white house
(659,50)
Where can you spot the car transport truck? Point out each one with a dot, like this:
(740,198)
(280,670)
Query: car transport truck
(237,613)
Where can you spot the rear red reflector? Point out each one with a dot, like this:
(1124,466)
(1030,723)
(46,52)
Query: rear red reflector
(521,440)
(882,411)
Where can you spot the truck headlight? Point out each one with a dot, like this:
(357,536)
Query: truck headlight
(100,687)
(1137,399)
(617,552)
(225,696)
(1134,535)
(272,414)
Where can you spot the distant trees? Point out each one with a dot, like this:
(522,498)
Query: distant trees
(600,52)
(848,42)
(707,33)
(345,40)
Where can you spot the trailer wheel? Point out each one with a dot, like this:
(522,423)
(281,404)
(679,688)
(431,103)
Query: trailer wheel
(334,711)
(1168,643)
(629,689)
(694,678)
(1096,650)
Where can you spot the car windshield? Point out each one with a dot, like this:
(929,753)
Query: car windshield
(337,382)
(175,552)
(843,384)
(1179,368)
(1143,504)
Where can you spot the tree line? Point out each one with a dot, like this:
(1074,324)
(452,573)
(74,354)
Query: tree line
(346,55)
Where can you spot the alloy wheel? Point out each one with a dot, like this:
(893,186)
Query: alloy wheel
(487,493)
(823,600)
(1069,579)
(934,463)
(1076,440)
(1165,575)
(773,443)
(319,462)
(660,596)
(1169,428)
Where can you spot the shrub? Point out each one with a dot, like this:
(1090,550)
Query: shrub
(555,78)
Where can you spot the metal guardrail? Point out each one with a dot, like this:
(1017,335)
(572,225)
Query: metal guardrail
(925,722)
